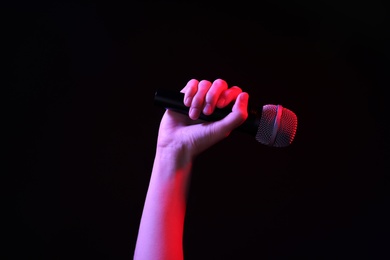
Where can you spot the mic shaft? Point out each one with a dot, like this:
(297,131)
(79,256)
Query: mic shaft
(272,125)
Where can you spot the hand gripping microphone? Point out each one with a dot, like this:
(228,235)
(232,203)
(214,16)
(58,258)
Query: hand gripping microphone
(273,125)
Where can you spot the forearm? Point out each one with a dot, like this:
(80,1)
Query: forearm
(161,229)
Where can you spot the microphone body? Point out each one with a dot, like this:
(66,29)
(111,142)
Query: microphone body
(273,125)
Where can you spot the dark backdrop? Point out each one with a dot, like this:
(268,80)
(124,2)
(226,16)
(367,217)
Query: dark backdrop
(80,127)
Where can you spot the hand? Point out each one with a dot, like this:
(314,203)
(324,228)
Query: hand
(188,134)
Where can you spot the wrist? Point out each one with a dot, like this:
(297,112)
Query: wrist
(173,155)
(172,159)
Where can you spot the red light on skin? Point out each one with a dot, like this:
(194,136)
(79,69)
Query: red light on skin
(160,234)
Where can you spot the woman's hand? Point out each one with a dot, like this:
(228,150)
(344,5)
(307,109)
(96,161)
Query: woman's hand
(186,133)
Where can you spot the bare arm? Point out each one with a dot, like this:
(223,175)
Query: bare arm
(181,138)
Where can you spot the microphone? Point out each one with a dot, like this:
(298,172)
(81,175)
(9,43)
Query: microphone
(272,125)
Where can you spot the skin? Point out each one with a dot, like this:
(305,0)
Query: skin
(180,139)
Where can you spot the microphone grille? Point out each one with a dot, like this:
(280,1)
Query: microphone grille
(277,127)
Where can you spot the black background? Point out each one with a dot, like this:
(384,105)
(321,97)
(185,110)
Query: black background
(80,127)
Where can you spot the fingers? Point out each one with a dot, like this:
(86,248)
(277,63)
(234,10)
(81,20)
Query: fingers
(189,91)
(203,96)
(216,90)
(198,100)
(228,96)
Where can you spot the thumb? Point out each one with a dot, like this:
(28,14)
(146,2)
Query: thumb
(235,118)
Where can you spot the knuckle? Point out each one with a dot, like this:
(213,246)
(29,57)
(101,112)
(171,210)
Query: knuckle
(236,89)
(204,84)
(220,82)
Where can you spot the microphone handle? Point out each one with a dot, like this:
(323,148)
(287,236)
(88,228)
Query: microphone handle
(173,100)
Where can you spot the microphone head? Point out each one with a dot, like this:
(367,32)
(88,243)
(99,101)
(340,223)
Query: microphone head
(277,126)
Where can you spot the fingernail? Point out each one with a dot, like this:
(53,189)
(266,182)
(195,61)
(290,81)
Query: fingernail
(194,113)
(187,101)
(221,102)
(207,109)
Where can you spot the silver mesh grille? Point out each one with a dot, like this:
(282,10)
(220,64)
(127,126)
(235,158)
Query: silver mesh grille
(286,131)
